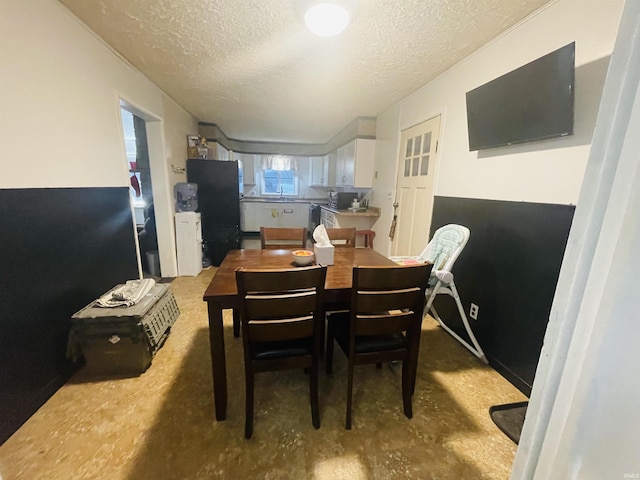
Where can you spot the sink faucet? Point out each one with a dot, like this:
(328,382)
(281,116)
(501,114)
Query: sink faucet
(281,193)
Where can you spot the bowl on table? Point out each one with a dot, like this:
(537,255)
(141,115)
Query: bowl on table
(302,257)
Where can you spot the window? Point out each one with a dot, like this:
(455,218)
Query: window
(416,157)
(279,175)
(279,182)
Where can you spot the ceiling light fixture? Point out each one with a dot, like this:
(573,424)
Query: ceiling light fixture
(327,19)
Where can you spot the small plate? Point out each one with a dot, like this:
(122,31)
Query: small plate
(294,264)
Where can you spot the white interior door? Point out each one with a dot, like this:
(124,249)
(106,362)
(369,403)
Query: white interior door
(414,188)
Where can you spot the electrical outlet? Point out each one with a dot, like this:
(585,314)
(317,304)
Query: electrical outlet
(473,311)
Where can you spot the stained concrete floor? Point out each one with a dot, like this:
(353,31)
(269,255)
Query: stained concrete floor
(160,425)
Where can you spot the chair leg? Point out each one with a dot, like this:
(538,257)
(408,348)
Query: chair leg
(406,388)
(236,322)
(248,411)
(412,360)
(349,394)
(323,332)
(313,392)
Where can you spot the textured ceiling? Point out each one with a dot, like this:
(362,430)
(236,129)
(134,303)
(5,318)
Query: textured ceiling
(252,68)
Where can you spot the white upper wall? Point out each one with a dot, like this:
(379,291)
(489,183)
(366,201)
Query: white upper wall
(60,121)
(547,171)
(60,89)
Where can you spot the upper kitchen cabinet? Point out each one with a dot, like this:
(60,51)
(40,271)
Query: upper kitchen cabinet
(354,163)
(249,164)
(319,171)
(248,167)
(218,152)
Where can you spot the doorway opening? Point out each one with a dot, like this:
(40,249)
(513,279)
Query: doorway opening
(141,191)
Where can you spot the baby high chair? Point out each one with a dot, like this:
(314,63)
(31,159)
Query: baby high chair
(443,250)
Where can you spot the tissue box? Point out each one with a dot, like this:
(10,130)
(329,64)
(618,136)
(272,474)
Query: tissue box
(324,254)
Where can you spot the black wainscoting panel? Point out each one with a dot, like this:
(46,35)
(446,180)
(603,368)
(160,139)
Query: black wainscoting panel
(59,250)
(510,269)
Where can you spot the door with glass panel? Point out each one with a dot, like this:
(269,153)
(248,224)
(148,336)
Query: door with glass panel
(414,188)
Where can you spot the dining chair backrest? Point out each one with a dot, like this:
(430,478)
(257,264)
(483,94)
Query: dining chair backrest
(342,237)
(387,300)
(367,237)
(280,304)
(279,238)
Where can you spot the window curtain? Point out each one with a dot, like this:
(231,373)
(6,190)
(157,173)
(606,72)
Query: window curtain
(279,162)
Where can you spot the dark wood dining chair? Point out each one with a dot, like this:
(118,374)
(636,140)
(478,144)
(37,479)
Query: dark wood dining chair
(342,237)
(383,324)
(281,323)
(275,237)
(368,236)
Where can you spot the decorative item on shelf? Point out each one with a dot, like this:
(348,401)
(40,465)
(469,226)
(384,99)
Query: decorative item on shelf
(192,146)
(197,146)
(203,149)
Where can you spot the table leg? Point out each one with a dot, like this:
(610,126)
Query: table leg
(236,322)
(218,362)
(413,367)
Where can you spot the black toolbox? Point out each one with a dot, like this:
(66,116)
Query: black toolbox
(122,341)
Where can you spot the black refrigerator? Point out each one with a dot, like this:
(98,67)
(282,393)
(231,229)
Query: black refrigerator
(218,204)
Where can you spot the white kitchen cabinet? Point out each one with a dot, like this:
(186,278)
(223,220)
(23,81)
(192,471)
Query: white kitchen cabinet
(354,163)
(254,215)
(248,167)
(248,219)
(330,158)
(327,218)
(345,161)
(319,171)
(218,152)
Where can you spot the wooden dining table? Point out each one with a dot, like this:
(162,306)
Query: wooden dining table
(222,294)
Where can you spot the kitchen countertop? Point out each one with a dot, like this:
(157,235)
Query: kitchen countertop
(369,212)
(284,200)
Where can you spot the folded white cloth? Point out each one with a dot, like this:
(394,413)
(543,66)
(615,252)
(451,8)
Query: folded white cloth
(126,295)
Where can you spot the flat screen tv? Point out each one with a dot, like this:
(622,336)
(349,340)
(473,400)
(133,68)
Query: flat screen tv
(533,102)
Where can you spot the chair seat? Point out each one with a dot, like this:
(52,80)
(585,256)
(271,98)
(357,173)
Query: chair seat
(290,348)
(364,344)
